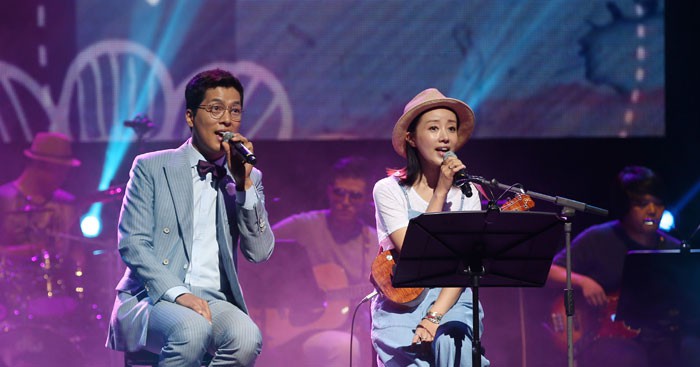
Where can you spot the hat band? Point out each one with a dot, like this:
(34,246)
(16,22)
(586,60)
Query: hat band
(44,155)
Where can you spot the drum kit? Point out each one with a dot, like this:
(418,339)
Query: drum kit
(53,294)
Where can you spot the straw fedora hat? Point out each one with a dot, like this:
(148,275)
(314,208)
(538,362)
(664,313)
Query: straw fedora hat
(427,100)
(53,148)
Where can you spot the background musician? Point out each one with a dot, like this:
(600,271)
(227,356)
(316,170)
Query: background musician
(340,247)
(598,257)
(40,270)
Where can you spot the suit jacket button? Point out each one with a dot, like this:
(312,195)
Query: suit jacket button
(184,266)
(166,262)
(166,230)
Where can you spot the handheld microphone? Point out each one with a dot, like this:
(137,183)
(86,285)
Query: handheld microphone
(247,154)
(461,178)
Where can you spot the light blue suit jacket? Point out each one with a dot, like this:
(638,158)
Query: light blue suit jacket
(156,235)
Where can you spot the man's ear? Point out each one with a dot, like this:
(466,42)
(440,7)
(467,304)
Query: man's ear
(189,117)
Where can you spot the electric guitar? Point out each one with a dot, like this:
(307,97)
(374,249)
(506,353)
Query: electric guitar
(589,323)
(384,264)
(282,324)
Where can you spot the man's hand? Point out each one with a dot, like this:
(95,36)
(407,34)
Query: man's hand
(194,303)
(236,163)
(593,292)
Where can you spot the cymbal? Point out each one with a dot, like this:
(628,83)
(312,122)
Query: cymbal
(19,249)
(26,210)
(82,240)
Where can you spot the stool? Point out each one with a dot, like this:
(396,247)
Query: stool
(146,358)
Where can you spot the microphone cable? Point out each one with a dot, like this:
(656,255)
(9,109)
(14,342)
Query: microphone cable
(352,321)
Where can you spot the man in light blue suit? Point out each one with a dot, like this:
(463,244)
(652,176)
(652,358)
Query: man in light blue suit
(184,215)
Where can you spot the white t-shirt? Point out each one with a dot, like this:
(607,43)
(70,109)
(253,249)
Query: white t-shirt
(392,207)
(310,229)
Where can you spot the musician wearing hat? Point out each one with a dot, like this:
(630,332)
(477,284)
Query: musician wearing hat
(33,207)
(38,264)
(435,328)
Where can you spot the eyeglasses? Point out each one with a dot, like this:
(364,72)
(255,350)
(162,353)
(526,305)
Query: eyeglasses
(216,111)
(342,193)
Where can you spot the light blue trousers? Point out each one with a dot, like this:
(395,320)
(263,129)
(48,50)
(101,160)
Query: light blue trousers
(393,329)
(182,337)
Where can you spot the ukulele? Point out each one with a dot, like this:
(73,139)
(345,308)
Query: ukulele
(384,264)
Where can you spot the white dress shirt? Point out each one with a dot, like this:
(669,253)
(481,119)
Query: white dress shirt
(203,270)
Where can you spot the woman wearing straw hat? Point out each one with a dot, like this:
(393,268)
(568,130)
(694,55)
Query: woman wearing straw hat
(437,331)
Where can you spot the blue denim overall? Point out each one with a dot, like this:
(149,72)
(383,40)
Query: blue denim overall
(393,328)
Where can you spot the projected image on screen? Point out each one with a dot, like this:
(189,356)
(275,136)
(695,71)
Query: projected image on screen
(528,68)
(342,69)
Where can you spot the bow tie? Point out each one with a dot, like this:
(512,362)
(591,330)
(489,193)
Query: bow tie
(204,167)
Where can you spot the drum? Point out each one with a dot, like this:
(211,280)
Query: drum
(43,285)
(4,290)
(10,288)
(29,346)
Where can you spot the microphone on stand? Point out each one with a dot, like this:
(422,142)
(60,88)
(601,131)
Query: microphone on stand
(247,154)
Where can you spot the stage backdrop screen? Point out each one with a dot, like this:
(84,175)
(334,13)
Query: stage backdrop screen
(340,69)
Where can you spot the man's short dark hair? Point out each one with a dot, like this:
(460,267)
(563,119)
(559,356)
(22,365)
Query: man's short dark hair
(631,184)
(350,167)
(208,79)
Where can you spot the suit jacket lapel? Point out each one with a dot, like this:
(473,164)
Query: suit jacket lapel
(179,176)
(227,250)
(222,202)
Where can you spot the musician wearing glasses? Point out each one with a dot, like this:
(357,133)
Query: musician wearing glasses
(340,246)
(185,215)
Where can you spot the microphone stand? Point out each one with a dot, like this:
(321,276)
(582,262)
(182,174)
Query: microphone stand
(686,244)
(569,208)
(141,124)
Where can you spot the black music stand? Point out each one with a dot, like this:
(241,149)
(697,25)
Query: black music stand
(478,249)
(658,290)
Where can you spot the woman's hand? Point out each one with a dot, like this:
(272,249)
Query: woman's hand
(425,332)
(449,167)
